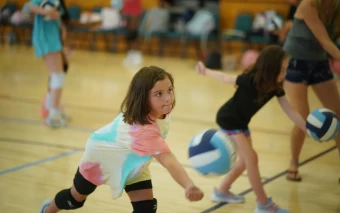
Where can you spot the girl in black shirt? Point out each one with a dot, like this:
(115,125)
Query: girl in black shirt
(256,87)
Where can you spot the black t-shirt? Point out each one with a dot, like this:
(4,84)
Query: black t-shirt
(237,112)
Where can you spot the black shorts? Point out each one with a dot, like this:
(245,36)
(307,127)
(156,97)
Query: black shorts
(85,187)
(308,72)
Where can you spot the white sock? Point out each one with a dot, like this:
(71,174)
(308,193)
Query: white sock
(54,112)
(48,101)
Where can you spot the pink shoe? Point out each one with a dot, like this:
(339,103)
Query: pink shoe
(43,111)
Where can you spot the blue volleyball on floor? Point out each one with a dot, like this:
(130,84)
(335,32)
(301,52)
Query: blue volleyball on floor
(322,124)
(212,152)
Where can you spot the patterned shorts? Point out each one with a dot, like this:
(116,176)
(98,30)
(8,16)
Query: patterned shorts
(308,72)
(246,132)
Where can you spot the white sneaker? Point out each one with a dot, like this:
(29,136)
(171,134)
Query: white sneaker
(133,59)
(137,58)
(227,197)
(65,116)
(44,205)
(56,119)
(128,59)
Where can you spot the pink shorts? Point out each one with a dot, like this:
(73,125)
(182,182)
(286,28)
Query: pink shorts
(246,132)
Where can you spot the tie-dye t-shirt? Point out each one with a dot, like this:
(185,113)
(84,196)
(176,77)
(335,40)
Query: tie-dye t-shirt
(119,152)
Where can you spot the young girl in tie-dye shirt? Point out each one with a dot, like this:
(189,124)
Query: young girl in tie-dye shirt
(119,154)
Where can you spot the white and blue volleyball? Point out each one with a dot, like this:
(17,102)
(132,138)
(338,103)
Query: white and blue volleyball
(212,152)
(322,124)
(50,4)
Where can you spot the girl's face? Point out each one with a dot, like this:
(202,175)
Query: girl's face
(161,98)
(282,74)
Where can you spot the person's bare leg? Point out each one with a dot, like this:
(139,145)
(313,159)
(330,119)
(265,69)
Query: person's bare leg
(235,172)
(298,98)
(328,94)
(53,62)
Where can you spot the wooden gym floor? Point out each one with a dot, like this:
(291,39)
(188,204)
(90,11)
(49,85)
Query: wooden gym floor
(36,162)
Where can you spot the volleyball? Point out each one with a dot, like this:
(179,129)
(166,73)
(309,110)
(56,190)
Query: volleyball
(322,124)
(212,152)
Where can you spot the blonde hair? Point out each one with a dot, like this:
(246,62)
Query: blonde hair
(330,20)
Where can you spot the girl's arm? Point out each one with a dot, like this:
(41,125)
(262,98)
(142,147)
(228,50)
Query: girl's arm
(35,9)
(219,76)
(170,162)
(148,141)
(309,12)
(292,114)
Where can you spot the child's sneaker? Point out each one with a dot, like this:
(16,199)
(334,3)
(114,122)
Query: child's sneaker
(226,197)
(270,207)
(55,119)
(44,113)
(43,110)
(44,205)
(65,116)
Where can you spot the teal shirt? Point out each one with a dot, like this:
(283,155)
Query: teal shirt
(46,35)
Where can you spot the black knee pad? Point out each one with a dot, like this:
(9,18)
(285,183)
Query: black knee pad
(64,200)
(65,67)
(145,206)
(64,61)
(131,35)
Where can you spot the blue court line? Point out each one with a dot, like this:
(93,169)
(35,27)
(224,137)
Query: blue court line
(271,179)
(6,171)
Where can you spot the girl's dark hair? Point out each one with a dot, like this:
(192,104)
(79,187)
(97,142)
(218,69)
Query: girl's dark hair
(266,70)
(135,106)
(331,19)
